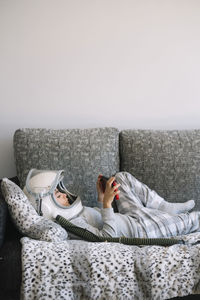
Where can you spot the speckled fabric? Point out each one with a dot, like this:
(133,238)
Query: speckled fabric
(74,270)
(82,153)
(166,161)
(25,217)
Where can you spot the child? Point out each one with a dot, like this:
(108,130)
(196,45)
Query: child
(142,212)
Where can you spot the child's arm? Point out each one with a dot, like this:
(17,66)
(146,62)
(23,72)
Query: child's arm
(110,192)
(109,228)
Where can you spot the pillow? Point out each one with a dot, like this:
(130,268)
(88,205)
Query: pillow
(25,217)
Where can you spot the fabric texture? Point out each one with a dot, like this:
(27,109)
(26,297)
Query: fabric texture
(139,215)
(26,218)
(85,270)
(143,205)
(82,153)
(91,237)
(166,161)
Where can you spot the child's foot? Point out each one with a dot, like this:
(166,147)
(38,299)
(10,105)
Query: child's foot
(177,208)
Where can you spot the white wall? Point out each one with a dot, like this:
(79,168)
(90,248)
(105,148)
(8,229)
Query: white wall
(90,63)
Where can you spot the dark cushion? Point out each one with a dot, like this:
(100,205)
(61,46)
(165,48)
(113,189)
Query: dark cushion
(10,258)
(7,228)
(167,161)
(10,269)
(82,153)
(3,214)
(10,229)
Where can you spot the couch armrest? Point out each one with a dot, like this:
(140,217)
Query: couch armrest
(10,270)
(8,231)
(3,215)
(10,253)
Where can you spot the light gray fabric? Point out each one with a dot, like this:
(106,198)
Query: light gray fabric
(82,153)
(139,215)
(167,161)
(93,271)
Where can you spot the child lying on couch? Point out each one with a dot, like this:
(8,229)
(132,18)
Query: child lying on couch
(141,211)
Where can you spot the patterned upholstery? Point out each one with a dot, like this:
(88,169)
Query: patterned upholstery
(82,153)
(167,161)
(26,219)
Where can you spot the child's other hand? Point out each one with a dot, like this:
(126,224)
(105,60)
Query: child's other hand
(110,193)
(99,189)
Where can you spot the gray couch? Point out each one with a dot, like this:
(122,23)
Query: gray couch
(167,161)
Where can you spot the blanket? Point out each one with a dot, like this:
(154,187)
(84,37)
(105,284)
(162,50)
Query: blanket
(76,269)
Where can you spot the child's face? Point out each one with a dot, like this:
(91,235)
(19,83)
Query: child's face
(61,198)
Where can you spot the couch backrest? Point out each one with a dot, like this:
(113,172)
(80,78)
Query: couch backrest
(167,161)
(82,153)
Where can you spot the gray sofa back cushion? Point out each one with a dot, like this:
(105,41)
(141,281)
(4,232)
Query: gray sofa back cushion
(167,161)
(82,153)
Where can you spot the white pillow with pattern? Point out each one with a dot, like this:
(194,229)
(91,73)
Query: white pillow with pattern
(26,218)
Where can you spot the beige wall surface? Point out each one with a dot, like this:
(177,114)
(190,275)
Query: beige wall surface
(91,63)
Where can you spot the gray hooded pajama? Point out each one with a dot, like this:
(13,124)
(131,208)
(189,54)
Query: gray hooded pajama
(142,213)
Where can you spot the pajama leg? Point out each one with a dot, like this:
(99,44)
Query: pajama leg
(161,224)
(153,223)
(192,222)
(133,193)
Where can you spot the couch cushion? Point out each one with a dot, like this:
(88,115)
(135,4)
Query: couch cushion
(11,268)
(167,161)
(82,153)
(3,214)
(26,219)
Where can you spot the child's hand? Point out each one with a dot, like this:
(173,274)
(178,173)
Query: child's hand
(99,189)
(110,192)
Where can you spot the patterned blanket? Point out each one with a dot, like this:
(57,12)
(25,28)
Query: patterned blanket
(78,269)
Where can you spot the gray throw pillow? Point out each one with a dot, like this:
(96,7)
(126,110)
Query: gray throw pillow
(25,217)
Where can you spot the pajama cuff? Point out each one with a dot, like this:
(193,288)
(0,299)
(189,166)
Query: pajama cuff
(107,213)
